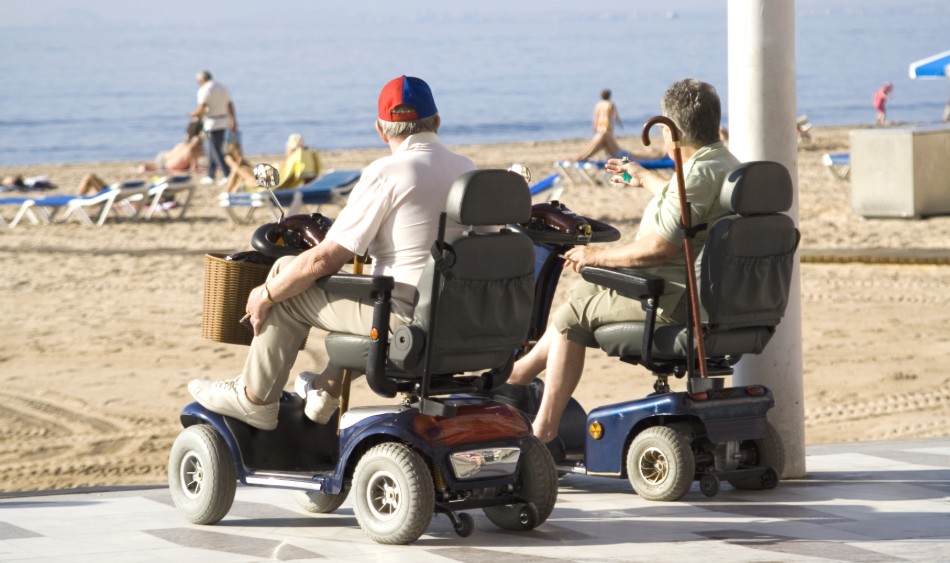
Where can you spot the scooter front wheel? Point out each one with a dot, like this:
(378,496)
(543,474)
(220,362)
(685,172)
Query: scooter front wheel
(201,475)
(537,483)
(660,464)
(317,502)
(394,496)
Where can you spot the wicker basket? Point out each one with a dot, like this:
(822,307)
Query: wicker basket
(227,285)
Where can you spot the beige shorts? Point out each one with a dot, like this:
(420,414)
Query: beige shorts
(591,306)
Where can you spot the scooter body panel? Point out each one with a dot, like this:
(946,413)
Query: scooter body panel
(300,454)
(730,414)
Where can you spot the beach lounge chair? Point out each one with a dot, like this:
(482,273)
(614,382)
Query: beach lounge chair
(839,164)
(593,173)
(332,187)
(60,208)
(170,193)
(551,184)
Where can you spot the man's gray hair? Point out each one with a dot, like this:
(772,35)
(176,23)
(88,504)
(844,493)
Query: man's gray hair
(694,107)
(402,129)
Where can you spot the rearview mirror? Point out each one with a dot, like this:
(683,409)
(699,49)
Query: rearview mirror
(268,177)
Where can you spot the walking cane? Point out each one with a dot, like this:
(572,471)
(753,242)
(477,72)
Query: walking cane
(346,378)
(694,323)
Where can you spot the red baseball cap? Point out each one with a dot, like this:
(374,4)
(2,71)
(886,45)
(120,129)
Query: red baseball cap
(406,91)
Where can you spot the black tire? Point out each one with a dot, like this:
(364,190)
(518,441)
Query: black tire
(537,483)
(317,502)
(766,451)
(394,496)
(660,464)
(465,526)
(201,475)
(709,485)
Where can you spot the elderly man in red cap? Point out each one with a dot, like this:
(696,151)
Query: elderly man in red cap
(392,213)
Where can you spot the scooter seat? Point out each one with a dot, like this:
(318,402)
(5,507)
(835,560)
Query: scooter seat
(350,352)
(669,341)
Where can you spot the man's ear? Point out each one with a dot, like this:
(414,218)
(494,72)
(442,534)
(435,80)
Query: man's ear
(379,129)
(438,122)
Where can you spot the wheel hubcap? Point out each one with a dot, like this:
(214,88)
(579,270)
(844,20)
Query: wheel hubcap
(383,495)
(191,474)
(654,467)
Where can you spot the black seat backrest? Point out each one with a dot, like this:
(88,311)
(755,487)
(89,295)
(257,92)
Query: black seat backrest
(748,259)
(486,282)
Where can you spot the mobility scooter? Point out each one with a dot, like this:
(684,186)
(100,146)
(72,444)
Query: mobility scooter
(709,432)
(436,452)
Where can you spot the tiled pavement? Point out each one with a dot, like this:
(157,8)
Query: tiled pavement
(879,501)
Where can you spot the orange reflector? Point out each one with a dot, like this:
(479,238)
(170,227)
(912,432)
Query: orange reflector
(699,396)
(755,390)
(373,334)
(596,430)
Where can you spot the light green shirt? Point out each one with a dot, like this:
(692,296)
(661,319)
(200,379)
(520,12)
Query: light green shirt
(704,174)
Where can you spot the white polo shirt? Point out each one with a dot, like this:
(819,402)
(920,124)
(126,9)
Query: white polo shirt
(217,99)
(393,211)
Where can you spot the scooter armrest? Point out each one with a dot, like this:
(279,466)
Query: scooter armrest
(629,282)
(355,286)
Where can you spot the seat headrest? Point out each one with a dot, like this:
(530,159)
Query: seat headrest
(489,197)
(754,188)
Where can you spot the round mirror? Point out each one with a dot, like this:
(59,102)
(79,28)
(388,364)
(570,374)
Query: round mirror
(521,169)
(266,175)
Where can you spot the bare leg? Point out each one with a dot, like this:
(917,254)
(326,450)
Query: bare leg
(90,184)
(531,364)
(611,145)
(564,368)
(247,174)
(593,147)
(233,181)
(330,380)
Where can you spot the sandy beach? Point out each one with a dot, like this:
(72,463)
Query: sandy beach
(103,324)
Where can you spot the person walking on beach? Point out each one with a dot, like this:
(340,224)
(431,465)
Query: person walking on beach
(216,111)
(694,107)
(605,115)
(880,102)
(393,214)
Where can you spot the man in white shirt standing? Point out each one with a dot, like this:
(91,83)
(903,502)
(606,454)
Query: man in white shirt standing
(216,112)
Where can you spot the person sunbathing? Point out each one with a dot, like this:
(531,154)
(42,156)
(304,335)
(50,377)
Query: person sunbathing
(183,157)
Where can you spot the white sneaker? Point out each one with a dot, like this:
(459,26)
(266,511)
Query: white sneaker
(320,404)
(223,182)
(228,398)
(302,383)
(207,180)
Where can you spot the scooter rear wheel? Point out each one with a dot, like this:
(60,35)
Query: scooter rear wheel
(660,464)
(766,451)
(537,484)
(394,496)
(201,475)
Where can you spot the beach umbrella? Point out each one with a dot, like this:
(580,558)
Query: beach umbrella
(934,66)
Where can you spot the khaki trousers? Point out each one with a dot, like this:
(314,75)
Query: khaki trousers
(590,306)
(274,350)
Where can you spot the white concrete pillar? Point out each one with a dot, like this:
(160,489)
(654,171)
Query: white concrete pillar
(761,94)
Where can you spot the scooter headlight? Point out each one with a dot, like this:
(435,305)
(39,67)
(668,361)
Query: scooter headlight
(485,463)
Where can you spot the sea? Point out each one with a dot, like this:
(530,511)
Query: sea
(93,91)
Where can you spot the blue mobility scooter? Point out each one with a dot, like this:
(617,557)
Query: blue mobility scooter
(709,432)
(438,451)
